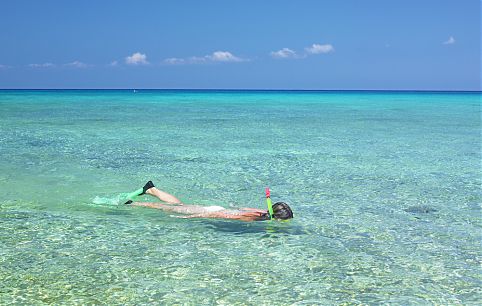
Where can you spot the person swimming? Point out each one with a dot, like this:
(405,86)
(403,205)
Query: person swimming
(281,210)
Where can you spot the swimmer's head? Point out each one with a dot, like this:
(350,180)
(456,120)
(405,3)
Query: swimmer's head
(282,211)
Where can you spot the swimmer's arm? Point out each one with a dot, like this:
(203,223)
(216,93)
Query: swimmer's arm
(209,215)
(253,209)
(220,215)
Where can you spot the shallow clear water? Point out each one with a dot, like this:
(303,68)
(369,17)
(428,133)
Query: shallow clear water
(385,188)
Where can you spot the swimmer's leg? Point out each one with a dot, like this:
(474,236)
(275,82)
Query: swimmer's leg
(163,196)
(179,209)
(160,206)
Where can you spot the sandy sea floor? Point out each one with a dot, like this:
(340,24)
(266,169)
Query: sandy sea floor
(385,188)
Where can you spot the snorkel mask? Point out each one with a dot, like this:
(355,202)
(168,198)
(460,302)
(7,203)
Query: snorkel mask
(284,215)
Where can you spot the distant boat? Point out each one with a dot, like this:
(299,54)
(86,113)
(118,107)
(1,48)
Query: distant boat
(135,91)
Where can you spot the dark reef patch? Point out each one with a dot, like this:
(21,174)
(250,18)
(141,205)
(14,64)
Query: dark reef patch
(422,209)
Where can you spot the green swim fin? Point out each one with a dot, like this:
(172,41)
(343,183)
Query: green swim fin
(138,192)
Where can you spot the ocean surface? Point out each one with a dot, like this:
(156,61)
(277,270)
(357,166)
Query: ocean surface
(385,189)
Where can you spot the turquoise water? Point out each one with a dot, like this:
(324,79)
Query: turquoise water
(385,189)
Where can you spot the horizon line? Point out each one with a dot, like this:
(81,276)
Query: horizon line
(250,89)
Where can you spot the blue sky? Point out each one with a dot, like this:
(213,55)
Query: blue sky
(244,44)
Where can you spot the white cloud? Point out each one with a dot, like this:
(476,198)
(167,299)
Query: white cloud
(284,53)
(313,49)
(137,59)
(223,56)
(197,59)
(174,61)
(318,49)
(187,60)
(217,56)
(113,63)
(77,64)
(4,66)
(449,41)
(44,65)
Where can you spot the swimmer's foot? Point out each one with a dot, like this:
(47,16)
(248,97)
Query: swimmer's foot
(147,186)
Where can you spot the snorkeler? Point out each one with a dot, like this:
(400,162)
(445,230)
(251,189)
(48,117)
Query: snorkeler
(279,210)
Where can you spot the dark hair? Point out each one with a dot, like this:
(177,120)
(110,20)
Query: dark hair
(282,211)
